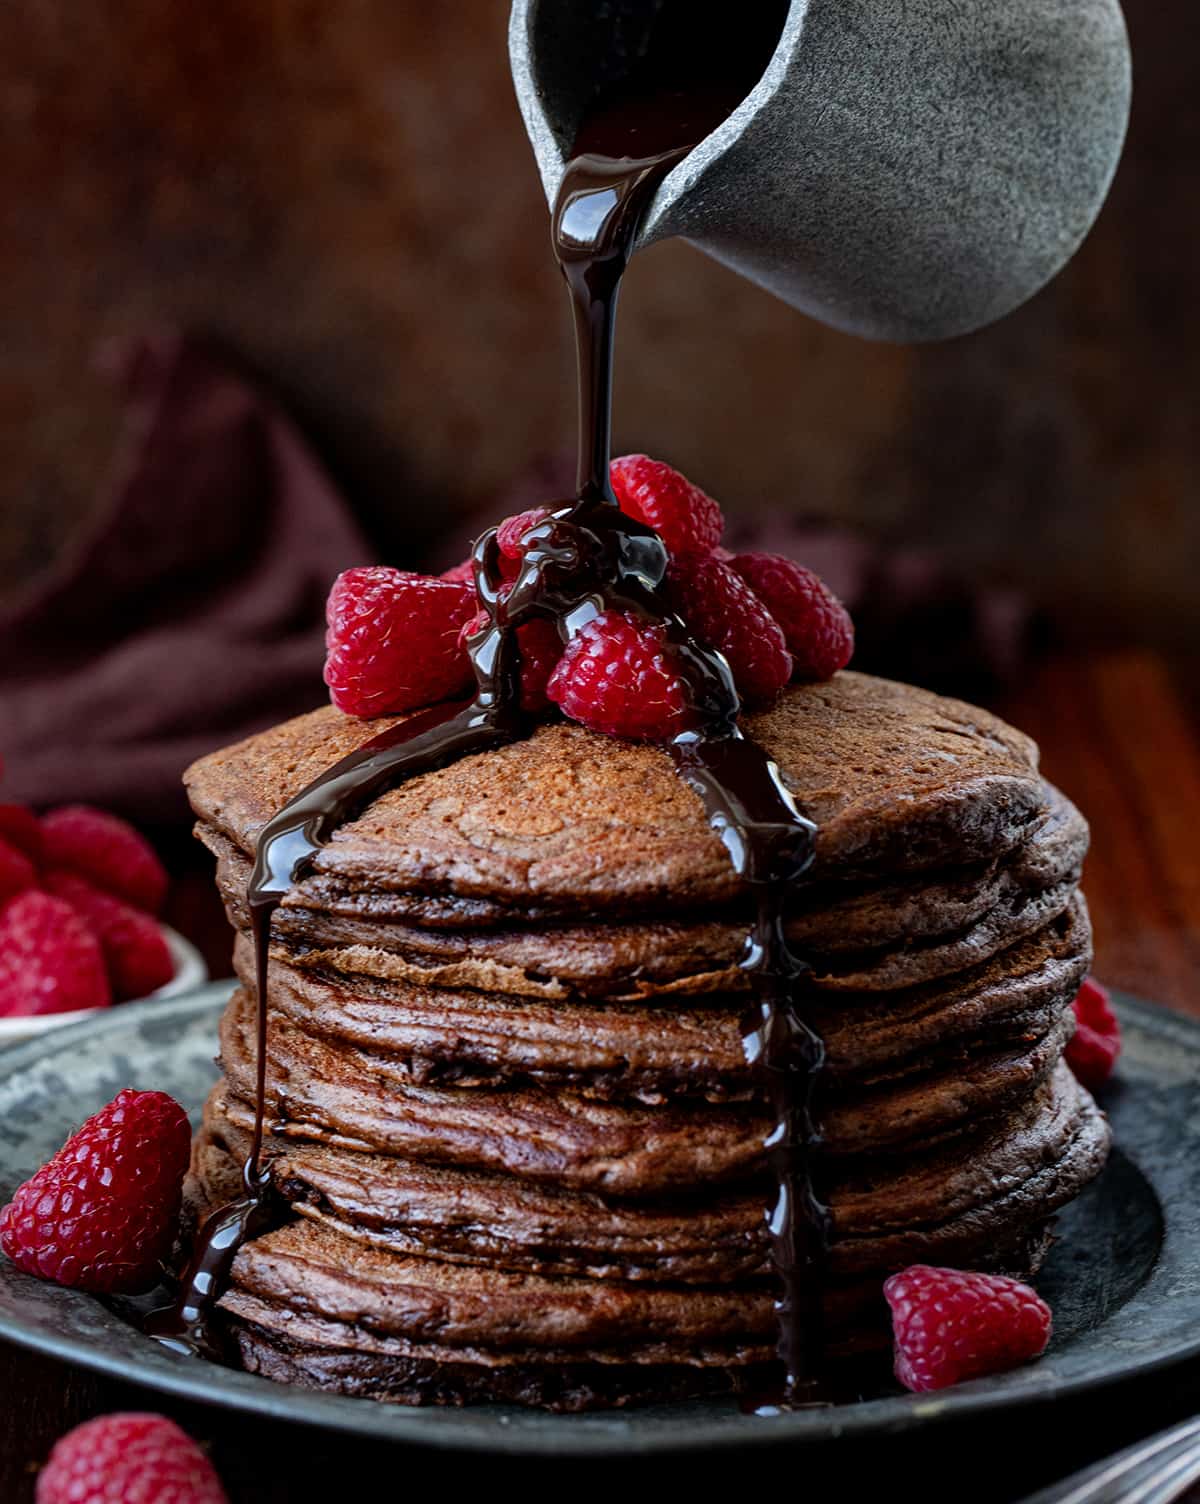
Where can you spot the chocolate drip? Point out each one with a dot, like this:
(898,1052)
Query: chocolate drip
(287,846)
(771,845)
(585,558)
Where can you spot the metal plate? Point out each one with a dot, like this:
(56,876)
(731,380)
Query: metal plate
(1123,1277)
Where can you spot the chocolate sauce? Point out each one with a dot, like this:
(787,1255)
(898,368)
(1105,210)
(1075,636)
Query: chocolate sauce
(619,159)
(588,557)
(287,845)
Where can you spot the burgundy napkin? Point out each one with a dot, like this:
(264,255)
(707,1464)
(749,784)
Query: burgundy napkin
(192,613)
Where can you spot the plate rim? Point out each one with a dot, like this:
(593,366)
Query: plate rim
(347,1415)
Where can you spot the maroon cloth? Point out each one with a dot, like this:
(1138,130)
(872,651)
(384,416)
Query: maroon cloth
(192,613)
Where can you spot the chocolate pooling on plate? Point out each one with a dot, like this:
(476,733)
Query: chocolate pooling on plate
(585,558)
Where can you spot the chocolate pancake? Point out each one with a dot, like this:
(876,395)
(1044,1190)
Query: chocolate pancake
(949,1203)
(363,1098)
(836,925)
(670,1046)
(314,1308)
(897,779)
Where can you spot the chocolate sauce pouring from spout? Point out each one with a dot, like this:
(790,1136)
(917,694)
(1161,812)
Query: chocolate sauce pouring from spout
(585,558)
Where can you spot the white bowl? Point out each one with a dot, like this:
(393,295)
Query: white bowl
(190,971)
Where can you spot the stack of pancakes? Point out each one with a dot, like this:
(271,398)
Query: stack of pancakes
(507,1098)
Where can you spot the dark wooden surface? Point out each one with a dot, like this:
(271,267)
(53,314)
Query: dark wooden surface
(1121,734)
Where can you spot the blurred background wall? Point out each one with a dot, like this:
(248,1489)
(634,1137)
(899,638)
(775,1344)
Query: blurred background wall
(340,193)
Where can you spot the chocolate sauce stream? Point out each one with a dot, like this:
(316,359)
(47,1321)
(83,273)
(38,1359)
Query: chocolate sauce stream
(619,159)
(587,557)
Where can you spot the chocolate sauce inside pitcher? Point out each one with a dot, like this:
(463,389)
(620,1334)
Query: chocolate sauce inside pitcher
(588,557)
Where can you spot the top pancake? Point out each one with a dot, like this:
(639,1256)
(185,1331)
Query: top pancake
(897,779)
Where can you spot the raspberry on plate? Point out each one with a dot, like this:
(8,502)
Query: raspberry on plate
(725,614)
(135,950)
(616,675)
(684,517)
(950,1325)
(101,1214)
(817,626)
(393,640)
(20,827)
(1096,1043)
(50,962)
(128,1458)
(16,871)
(106,850)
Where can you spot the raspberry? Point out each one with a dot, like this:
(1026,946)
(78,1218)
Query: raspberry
(16,871)
(616,675)
(540,647)
(817,626)
(107,851)
(461,574)
(135,951)
(20,827)
(50,962)
(101,1214)
(724,612)
(951,1326)
(510,534)
(393,640)
(129,1458)
(688,521)
(1096,1043)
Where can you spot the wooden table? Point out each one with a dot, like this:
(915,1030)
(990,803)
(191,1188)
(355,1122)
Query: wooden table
(1121,734)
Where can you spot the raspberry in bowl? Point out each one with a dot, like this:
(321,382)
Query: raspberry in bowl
(80,892)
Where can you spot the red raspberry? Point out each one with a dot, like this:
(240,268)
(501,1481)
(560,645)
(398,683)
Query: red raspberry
(393,640)
(950,1325)
(16,871)
(688,521)
(138,959)
(50,962)
(461,574)
(129,1458)
(617,675)
(816,624)
(101,1214)
(1096,1043)
(20,827)
(510,535)
(107,851)
(724,612)
(540,647)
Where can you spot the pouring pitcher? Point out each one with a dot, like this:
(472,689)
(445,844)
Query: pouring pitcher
(902,169)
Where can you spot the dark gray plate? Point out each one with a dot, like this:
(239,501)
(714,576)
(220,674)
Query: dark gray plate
(1124,1277)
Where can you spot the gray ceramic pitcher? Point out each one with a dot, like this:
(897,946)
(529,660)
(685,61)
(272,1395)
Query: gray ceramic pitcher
(904,169)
